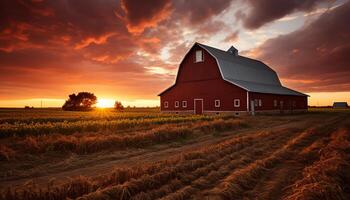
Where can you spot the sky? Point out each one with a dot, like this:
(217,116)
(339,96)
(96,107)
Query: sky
(129,50)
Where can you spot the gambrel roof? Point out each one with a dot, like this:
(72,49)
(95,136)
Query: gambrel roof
(249,74)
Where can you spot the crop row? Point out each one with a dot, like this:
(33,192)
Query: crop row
(128,183)
(329,177)
(7,130)
(86,116)
(90,143)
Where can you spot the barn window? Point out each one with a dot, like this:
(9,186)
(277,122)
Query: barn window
(236,103)
(165,104)
(260,103)
(256,103)
(217,103)
(199,56)
(184,104)
(176,104)
(275,103)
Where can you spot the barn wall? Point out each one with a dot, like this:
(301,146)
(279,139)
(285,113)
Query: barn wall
(300,102)
(209,91)
(202,81)
(191,71)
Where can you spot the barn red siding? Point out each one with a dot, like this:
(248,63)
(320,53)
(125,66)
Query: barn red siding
(191,71)
(203,80)
(300,102)
(209,91)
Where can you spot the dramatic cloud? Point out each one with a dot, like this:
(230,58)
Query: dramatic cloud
(198,11)
(316,57)
(265,11)
(146,14)
(132,48)
(231,37)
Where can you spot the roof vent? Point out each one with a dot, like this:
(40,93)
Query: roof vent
(233,51)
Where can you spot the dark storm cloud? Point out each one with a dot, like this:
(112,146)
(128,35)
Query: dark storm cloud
(316,56)
(265,11)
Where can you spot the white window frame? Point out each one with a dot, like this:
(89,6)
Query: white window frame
(217,103)
(256,102)
(184,104)
(236,103)
(177,104)
(275,103)
(260,103)
(199,56)
(166,104)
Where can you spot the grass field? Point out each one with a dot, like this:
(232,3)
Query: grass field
(143,154)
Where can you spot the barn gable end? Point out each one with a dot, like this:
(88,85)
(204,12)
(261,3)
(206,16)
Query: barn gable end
(190,70)
(223,81)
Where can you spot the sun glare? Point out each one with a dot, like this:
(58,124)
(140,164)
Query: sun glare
(105,103)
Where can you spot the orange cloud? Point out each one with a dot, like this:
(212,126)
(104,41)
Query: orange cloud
(138,16)
(93,40)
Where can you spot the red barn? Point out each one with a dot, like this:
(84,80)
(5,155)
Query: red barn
(211,80)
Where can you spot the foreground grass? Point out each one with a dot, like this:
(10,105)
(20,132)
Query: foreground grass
(8,130)
(87,143)
(229,168)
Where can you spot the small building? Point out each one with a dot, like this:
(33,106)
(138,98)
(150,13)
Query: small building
(340,105)
(210,80)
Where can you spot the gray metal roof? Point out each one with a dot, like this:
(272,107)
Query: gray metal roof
(249,74)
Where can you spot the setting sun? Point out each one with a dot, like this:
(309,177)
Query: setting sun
(105,103)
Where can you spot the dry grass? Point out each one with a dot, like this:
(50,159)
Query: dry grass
(229,169)
(6,153)
(95,142)
(328,178)
(80,125)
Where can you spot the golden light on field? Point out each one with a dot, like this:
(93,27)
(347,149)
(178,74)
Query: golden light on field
(105,103)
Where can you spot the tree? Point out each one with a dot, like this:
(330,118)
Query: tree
(83,101)
(118,106)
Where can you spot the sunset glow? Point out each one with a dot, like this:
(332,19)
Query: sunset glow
(129,51)
(105,103)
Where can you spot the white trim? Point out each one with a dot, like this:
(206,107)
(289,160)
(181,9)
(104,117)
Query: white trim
(256,102)
(219,103)
(202,56)
(247,101)
(184,104)
(238,104)
(177,104)
(217,62)
(194,107)
(166,104)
